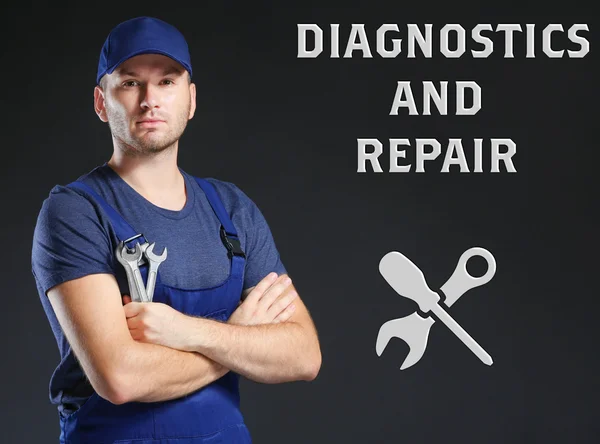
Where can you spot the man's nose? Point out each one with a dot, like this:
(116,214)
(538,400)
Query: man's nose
(150,96)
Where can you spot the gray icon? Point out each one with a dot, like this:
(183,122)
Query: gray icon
(408,281)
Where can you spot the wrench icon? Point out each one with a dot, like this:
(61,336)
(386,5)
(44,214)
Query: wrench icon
(406,278)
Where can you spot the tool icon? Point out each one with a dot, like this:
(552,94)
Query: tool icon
(408,281)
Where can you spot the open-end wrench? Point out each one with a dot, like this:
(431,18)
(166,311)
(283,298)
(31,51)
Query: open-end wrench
(155,261)
(414,328)
(142,259)
(135,297)
(406,278)
(131,267)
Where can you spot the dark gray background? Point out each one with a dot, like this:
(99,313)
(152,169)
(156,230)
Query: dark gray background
(284,130)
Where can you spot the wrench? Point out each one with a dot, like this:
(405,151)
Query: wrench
(142,259)
(155,261)
(414,329)
(130,261)
(135,297)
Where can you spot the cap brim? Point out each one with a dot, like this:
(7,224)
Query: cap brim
(111,69)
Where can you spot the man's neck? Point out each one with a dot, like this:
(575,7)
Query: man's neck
(156,177)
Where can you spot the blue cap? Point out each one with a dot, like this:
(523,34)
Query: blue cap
(142,35)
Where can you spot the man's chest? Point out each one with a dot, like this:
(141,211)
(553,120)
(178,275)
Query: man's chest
(196,257)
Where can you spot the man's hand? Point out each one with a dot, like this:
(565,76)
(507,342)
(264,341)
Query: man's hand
(266,303)
(156,323)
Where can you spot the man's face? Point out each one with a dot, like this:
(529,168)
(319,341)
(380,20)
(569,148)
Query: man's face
(147,102)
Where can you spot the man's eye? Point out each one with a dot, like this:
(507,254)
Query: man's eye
(168,81)
(130,83)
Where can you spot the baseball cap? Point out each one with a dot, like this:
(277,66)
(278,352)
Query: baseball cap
(142,35)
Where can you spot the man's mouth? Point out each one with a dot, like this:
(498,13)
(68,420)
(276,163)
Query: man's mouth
(150,122)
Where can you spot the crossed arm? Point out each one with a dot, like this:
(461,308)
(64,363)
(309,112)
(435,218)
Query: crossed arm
(122,369)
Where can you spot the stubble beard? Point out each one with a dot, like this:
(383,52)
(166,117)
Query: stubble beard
(144,145)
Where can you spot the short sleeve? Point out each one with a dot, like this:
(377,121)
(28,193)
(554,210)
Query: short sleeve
(69,240)
(262,256)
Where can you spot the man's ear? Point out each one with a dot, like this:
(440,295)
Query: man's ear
(192,100)
(99,104)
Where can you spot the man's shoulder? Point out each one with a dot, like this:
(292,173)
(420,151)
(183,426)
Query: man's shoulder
(65,200)
(230,193)
(228,189)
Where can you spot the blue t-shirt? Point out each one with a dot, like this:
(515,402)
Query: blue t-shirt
(73,238)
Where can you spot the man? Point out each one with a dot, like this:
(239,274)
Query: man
(222,304)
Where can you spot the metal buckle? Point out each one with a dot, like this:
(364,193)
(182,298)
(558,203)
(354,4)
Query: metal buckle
(125,242)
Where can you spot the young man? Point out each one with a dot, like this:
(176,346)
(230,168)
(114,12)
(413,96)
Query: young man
(155,356)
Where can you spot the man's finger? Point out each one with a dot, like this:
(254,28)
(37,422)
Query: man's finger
(133,309)
(275,290)
(284,299)
(133,323)
(262,286)
(285,314)
(126,299)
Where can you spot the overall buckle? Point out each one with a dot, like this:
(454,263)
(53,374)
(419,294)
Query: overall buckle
(234,248)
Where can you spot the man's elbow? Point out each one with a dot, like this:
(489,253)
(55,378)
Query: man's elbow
(312,370)
(113,388)
(112,382)
(312,361)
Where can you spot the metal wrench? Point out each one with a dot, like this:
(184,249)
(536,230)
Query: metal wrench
(142,259)
(136,283)
(154,261)
(135,297)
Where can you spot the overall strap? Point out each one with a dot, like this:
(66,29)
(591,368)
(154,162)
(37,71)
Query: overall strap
(229,234)
(124,231)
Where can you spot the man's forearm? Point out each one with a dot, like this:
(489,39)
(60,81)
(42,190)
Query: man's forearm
(151,373)
(268,353)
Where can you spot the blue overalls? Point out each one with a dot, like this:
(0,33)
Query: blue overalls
(209,415)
